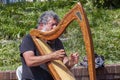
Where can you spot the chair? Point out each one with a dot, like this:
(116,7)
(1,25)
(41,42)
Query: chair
(19,73)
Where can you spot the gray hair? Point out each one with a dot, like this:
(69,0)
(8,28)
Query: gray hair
(46,16)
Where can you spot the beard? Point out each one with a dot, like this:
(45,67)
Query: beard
(45,28)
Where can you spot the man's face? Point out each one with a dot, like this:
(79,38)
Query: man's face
(50,25)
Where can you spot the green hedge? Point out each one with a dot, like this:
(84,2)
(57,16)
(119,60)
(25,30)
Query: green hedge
(111,4)
(17,19)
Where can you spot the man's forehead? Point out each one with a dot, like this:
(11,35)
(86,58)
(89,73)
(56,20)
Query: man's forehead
(52,20)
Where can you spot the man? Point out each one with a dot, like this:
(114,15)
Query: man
(33,64)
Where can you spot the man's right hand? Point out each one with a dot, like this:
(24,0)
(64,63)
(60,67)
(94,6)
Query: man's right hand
(58,55)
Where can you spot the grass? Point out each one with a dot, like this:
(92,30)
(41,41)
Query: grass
(104,25)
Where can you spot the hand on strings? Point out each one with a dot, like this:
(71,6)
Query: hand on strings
(73,59)
(58,55)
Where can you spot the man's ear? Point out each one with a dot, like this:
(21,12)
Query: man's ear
(40,26)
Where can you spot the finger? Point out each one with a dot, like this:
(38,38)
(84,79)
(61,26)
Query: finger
(62,50)
(76,55)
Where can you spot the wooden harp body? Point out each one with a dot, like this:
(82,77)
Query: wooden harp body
(58,70)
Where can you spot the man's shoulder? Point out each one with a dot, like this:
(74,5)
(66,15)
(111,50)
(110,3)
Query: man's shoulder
(27,36)
(57,39)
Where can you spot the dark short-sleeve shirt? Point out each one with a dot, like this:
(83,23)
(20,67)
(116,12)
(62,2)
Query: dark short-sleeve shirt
(38,72)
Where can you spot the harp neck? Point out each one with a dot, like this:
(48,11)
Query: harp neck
(76,13)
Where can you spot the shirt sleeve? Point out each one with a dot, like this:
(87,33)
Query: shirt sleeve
(26,45)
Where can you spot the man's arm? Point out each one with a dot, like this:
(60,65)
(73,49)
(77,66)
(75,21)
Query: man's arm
(32,60)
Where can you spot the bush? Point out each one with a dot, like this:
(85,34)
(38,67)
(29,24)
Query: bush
(9,54)
(17,20)
(111,4)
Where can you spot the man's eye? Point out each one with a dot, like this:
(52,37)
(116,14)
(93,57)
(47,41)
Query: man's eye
(54,24)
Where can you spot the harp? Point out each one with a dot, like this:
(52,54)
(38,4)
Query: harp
(58,70)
